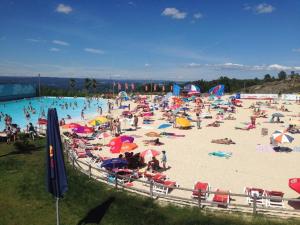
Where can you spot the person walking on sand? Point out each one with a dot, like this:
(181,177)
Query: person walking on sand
(135,121)
(198,122)
(164,159)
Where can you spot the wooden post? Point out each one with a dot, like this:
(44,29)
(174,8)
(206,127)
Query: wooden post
(151,189)
(254,204)
(199,198)
(90,171)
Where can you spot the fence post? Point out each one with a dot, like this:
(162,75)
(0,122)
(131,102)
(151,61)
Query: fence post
(116,181)
(254,204)
(151,189)
(90,171)
(199,198)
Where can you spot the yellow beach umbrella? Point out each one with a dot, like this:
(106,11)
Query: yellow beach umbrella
(94,122)
(101,119)
(183,122)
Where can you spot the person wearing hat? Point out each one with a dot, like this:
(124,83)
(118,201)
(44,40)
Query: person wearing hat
(164,159)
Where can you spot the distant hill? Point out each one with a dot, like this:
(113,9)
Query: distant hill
(290,85)
(58,82)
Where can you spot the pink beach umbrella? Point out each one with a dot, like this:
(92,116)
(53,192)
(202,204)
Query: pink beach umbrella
(148,154)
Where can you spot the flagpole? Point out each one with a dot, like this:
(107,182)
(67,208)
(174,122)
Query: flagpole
(57,212)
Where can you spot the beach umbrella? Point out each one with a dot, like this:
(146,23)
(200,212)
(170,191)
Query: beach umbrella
(282,137)
(183,122)
(125,138)
(56,177)
(42,121)
(128,147)
(83,130)
(294,183)
(277,114)
(152,134)
(71,126)
(149,153)
(101,119)
(94,122)
(164,126)
(114,163)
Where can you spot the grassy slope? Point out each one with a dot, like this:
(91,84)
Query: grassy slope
(24,201)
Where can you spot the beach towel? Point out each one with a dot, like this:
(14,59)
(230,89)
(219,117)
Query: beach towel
(221,154)
(264,148)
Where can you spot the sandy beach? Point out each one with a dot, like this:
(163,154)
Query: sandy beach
(190,161)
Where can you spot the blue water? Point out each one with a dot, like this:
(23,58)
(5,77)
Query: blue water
(16,108)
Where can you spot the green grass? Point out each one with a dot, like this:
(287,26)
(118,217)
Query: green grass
(24,200)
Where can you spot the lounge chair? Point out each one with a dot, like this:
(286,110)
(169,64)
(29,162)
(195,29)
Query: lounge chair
(276,200)
(222,198)
(252,192)
(163,186)
(203,187)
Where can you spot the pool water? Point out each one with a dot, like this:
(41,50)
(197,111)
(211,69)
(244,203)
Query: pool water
(17,108)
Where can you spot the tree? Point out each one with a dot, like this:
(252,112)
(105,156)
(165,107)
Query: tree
(282,75)
(267,77)
(94,85)
(87,84)
(72,83)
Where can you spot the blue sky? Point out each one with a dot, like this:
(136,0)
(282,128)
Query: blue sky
(166,39)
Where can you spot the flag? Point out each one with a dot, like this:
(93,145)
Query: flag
(171,88)
(154,88)
(126,86)
(163,88)
(132,86)
(114,84)
(56,176)
(119,86)
(176,89)
(146,88)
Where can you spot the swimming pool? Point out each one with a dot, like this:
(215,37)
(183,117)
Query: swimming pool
(65,106)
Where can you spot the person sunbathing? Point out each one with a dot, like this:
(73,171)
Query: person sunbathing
(225,141)
(154,142)
(153,164)
(250,126)
(214,124)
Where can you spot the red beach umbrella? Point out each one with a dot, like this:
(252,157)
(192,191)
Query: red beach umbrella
(294,183)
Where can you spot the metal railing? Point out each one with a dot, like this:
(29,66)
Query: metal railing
(148,190)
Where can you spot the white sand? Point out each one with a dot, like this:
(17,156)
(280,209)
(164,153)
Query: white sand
(190,162)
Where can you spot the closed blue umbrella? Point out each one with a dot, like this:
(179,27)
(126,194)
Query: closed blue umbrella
(56,177)
(114,163)
(164,126)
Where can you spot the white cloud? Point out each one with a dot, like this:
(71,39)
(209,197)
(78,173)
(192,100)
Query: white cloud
(58,42)
(198,15)
(279,67)
(296,50)
(262,8)
(131,3)
(34,40)
(54,49)
(174,13)
(66,9)
(94,50)
(147,65)
(193,65)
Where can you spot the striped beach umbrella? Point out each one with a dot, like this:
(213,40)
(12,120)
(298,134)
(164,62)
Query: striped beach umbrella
(282,137)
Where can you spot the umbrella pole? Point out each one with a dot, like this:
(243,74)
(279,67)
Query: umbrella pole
(57,212)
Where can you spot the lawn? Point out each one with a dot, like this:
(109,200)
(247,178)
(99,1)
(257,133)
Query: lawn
(24,200)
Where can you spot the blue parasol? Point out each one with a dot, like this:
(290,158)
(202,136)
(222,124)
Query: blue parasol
(114,163)
(56,176)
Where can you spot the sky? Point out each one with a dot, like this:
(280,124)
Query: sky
(151,39)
